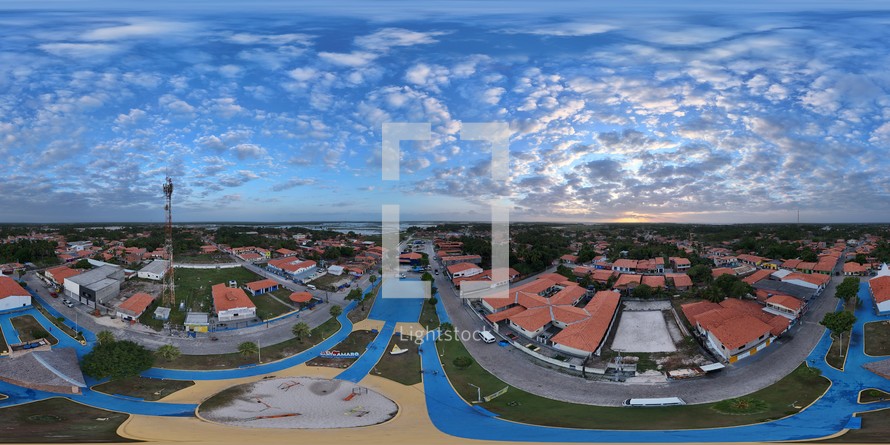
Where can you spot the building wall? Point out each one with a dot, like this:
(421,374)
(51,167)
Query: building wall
(149,275)
(236,314)
(15,302)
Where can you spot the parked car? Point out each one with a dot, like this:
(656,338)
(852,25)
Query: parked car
(54,294)
(67,302)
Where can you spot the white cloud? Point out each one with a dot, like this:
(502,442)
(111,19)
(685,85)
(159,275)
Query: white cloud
(293,182)
(244,151)
(82,50)
(572,29)
(353,59)
(387,38)
(139,29)
(245,38)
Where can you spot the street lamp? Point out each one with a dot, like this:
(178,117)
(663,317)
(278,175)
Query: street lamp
(478,392)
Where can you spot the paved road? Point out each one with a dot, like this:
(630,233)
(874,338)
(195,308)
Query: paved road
(749,375)
(227,341)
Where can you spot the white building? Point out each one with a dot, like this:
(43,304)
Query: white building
(879,287)
(335,270)
(154,270)
(232,304)
(12,296)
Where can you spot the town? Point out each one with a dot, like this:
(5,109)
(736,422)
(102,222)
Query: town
(672,311)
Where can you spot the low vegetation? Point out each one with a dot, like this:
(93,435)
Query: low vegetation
(873,395)
(403,368)
(29,329)
(274,352)
(363,308)
(143,388)
(59,420)
(428,316)
(877,338)
(356,341)
(787,396)
(117,359)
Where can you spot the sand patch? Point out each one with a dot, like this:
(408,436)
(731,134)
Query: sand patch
(298,402)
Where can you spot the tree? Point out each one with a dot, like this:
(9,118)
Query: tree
(301,330)
(372,279)
(336,310)
(446,327)
(426,277)
(838,323)
(699,273)
(168,352)
(848,289)
(83,264)
(117,360)
(105,337)
(644,291)
(432,301)
(565,271)
(248,348)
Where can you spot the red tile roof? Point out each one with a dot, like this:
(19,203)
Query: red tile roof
(786,301)
(680,279)
(301,297)
(588,334)
(880,288)
(721,271)
(653,280)
(9,288)
(225,298)
(60,273)
(257,286)
(460,267)
(137,304)
(626,279)
(761,274)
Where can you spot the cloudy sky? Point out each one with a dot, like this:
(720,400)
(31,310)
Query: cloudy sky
(274,112)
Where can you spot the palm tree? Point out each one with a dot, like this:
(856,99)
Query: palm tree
(168,352)
(336,310)
(105,337)
(301,330)
(248,348)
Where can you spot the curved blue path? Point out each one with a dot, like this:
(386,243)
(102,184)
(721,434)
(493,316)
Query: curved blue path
(452,415)
(361,367)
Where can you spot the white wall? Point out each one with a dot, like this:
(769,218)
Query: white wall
(15,302)
(244,312)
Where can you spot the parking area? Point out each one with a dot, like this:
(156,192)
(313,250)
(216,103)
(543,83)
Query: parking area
(643,331)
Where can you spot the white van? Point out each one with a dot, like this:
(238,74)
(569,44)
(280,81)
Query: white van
(486,337)
(311,286)
(666,401)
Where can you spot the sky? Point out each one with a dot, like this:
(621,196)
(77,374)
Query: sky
(617,111)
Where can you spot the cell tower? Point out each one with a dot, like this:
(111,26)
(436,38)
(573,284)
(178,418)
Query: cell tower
(168,295)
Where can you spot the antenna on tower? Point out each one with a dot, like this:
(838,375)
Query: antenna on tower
(168,295)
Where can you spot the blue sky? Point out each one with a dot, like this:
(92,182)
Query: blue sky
(617,112)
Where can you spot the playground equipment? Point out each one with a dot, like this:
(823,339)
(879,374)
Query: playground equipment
(396,350)
(288,385)
(358,411)
(275,416)
(355,392)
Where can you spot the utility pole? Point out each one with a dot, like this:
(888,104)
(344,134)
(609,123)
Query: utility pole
(168,295)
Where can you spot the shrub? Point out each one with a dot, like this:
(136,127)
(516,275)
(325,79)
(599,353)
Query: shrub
(117,360)
(462,362)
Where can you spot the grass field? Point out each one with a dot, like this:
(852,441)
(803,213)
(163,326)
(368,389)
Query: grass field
(877,338)
(802,387)
(59,420)
(836,357)
(29,329)
(193,288)
(270,353)
(204,258)
(356,341)
(428,317)
(268,307)
(143,388)
(325,282)
(403,368)
(875,429)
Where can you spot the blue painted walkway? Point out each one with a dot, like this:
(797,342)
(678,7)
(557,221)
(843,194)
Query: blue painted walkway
(361,367)
(401,310)
(827,416)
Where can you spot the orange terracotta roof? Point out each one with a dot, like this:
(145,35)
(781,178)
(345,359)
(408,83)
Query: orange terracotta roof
(137,304)
(533,319)
(880,288)
(812,278)
(410,256)
(626,279)
(653,280)
(693,310)
(602,275)
(60,273)
(568,295)
(301,297)
(460,267)
(586,335)
(785,301)
(680,279)
(9,288)
(225,298)
(505,314)
(761,274)
(736,332)
(257,286)
(721,271)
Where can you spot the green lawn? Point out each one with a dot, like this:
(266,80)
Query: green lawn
(29,329)
(204,258)
(325,282)
(799,388)
(428,317)
(193,288)
(403,368)
(835,356)
(877,338)
(270,353)
(875,429)
(143,388)
(356,341)
(361,311)
(59,420)
(268,307)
